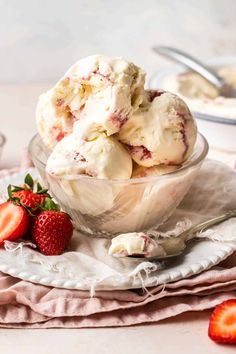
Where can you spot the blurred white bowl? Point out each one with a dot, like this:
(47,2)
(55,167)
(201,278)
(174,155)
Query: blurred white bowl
(219,131)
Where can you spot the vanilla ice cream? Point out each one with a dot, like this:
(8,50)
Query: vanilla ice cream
(53,125)
(101,157)
(135,243)
(143,245)
(103,129)
(97,88)
(162,131)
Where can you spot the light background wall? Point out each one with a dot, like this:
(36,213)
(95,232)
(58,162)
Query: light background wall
(39,39)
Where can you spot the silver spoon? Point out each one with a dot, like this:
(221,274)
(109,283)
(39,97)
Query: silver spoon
(186,236)
(224,88)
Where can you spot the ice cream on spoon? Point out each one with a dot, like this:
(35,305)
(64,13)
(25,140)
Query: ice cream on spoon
(132,244)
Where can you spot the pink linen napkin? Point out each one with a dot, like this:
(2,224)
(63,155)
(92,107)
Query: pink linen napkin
(27,305)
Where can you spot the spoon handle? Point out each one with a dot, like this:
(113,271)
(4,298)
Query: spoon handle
(204,225)
(194,65)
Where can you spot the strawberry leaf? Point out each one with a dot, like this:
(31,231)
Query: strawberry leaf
(39,187)
(9,191)
(41,190)
(44,191)
(29,181)
(16,189)
(15,201)
(49,204)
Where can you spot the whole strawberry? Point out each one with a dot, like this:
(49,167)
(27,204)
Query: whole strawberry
(26,196)
(52,230)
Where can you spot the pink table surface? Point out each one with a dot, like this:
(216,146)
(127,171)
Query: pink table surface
(183,334)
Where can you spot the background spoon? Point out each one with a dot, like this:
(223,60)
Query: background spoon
(205,71)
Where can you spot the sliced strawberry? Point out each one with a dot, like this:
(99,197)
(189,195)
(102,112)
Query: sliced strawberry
(14,222)
(222,326)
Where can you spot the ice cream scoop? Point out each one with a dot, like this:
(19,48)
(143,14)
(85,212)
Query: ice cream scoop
(136,243)
(53,124)
(101,157)
(99,89)
(162,131)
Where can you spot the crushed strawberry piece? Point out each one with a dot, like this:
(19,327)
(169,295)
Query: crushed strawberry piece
(78,157)
(142,152)
(183,131)
(118,120)
(59,102)
(152,94)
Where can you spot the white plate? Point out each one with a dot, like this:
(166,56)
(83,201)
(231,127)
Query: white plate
(200,256)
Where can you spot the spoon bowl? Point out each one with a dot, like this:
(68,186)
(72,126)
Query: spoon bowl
(186,236)
(155,258)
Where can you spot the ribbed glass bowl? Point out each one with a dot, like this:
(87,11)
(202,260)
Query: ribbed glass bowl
(105,208)
(2,143)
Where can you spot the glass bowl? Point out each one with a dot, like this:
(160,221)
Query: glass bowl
(105,208)
(2,143)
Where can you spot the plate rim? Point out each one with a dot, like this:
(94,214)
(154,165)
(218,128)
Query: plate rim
(74,284)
